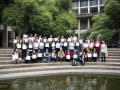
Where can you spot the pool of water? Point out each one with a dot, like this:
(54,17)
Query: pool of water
(65,82)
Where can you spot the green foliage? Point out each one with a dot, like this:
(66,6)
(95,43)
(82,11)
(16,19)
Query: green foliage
(43,17)
(86,33)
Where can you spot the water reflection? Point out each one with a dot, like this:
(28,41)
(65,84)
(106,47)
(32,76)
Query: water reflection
(64,82)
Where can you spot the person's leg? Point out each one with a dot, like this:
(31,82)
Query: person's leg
(48,59)
(102,57)
(22,53)
(45,60)
(78,52)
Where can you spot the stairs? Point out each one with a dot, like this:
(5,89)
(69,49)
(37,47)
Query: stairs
(8,70)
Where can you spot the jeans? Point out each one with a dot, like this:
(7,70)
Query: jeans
(26,61)
(10,45)
(103,55)
(78,51)
(41,50)
(72,51)
(47,59)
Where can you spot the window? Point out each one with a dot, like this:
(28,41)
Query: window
(84,3)
(93,2)
(102,2)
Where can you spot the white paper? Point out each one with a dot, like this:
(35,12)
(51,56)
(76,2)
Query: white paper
(38,41)
(65,44)
(75,38)
(15,40)
(26,40)
(30,46)
(77,44)
(24,46)
(24,35)
(27,57)
(94,54)
(68,57)
(56,39)
(19,46)
(86,45)
(44,40)
(75,56)
(36,44)
(88,41)
(39,54)
(42,44)
(72,44)
(62,40)
(80,53)
(53,55)
(15,56)
(81,41)
(91,45)
(47,45)
(103,45)
(53,44)
(33,56)
(69,39)
(89,55)
(57,45)
(97,44)
(49,39)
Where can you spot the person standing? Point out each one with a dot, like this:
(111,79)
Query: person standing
(97,45)
(11,43)
(24,48)
(103,50)
(99,37)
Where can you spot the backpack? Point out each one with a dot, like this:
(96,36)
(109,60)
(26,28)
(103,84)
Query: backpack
(74,63)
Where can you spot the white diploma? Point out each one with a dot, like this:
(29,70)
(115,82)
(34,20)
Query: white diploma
(103,45)
(65,44)
(75,38)
(30,46)
(36,44)
(15,56)
(68,57)
(94,54)
(91,45)
(41,44)
(89,55)
(53,44)
(56,39)
(44,40)
(33,56)
(49,39)
(19,46)
(15,40)
(25,36)
(69,39)
(24,46)
(72,44)
(39,54)
(47,45)
(53,55)
(26,40)
(97,44)
(57,45)
(62,40)
(80,41)
(27,57)
(80,53)
(77,44)
(86,45)
(75,56)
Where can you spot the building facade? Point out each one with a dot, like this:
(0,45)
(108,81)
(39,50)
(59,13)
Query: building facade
(85,10)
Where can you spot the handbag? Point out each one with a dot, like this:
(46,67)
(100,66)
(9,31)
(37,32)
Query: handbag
(106,54)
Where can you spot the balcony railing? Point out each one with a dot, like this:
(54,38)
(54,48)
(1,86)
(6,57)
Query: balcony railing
(87,14)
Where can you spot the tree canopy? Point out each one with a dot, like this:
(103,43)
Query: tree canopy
(105,23)
(43,17)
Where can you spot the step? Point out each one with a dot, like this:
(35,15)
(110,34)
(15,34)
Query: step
(57,72)
(5,55)
(6,66)
(44,68)
(5,58)
(6,52)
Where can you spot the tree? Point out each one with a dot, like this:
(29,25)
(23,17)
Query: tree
(42,17)
(86,33)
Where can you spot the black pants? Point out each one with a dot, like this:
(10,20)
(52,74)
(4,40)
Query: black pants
(23,53)
(39,59)
(54,59)
(64,49)
(33,60)
(61,58)
(98,52)
(94,59)
(102,59)
(57,50)
(36,50)
(85,50)
(27,61)
(82,64)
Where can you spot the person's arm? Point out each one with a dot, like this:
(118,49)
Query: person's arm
(19,55)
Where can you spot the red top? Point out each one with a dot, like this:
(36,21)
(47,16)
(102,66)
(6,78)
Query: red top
(67,54)
(98,46)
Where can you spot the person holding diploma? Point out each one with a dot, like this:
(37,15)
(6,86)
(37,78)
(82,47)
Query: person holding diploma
(30,46)
(53,44)
(103,50)
(68,56)
(91,45)
(71,47)
(18,45)
(47,56)
(85,46)
(41,46)
(97,45)
(61,55)
(54,56)
(65,46)
(94,55)
(82,59)
(36,45)
(89,56)
(78,47)
(27,57)
(16,56)
(47,45)
(39,56)
(24,48)
(75,55)
(57,46)
(34,57)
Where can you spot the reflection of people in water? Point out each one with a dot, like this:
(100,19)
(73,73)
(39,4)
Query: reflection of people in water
(67,81)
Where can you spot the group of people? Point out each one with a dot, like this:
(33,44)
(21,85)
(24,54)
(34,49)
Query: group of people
(35,49)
